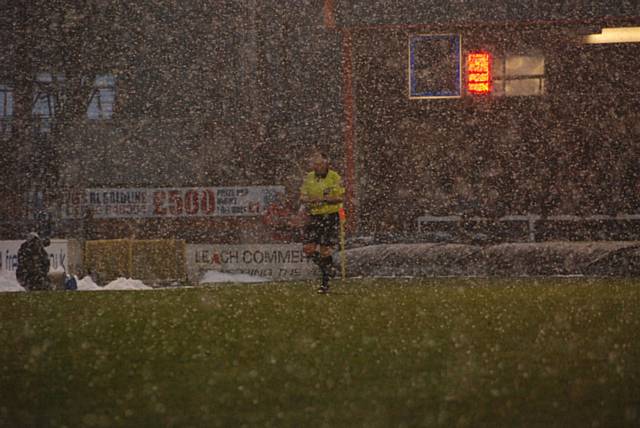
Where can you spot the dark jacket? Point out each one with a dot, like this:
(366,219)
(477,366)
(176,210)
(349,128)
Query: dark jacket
(33,264)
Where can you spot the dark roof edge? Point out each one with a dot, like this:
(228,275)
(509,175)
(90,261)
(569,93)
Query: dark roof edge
(381,14)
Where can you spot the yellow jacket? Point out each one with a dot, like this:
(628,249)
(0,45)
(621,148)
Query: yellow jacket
(314,187)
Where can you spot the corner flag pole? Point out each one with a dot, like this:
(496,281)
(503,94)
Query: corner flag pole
(343,260)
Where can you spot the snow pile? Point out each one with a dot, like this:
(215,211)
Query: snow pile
(126,284)
(57,277)
(87,284)
(8,282)
(216,277)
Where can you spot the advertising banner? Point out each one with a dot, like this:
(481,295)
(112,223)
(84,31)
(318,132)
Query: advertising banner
(169,202)
(284,262)
(58,254)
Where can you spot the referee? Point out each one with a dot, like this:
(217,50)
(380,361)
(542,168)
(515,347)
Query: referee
(322,194)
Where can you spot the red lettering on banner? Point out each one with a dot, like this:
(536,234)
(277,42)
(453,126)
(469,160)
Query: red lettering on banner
(175,202)
(191,202)
(159,197)
(209,207)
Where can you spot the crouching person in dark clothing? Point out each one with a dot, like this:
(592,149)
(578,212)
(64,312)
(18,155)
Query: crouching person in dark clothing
(33,264)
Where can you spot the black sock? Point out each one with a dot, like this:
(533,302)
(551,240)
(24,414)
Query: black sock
(325,267)
(324,263)
(325,279)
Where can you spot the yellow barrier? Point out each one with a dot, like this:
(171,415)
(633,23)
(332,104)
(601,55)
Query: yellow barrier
(152,261)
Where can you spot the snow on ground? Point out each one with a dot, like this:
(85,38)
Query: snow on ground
(215,277)
(8,283)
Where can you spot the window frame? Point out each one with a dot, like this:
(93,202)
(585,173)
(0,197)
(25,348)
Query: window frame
(46,87)
(6,108)
(96,94)
(456,49)
(500,80)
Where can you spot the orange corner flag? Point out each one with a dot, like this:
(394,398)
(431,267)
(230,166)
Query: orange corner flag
(342,214)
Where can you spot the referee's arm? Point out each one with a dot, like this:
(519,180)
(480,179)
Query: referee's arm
(334,199)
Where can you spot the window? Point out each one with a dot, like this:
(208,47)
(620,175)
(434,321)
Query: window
(45,99)
(434,66)
(102,98)
(48,87)
(6,109)
(518,75)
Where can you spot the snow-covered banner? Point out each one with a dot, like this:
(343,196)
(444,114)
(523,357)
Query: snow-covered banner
(269,261)
(169,202)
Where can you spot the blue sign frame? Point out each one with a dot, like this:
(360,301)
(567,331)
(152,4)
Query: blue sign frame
(444,53)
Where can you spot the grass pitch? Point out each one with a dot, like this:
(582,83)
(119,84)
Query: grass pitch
(376,353)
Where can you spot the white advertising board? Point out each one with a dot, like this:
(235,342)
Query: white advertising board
(282,262)
(58,254)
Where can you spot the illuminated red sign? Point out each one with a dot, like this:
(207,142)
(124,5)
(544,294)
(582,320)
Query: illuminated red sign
(479,73)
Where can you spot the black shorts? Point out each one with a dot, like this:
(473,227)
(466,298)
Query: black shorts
(322,230)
